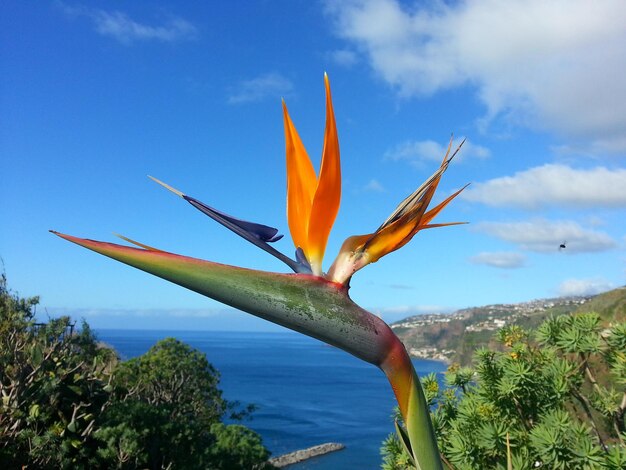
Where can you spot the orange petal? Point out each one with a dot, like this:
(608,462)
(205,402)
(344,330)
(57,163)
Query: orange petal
(399,233)
(392,237)
(431,214)
(328,193)
(421,195)
(410,216)
(301,183)
(433,182)
(400,227)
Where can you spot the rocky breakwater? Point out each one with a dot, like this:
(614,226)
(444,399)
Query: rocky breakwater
(305,454)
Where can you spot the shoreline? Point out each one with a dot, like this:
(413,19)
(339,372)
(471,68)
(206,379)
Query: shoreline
(445,361)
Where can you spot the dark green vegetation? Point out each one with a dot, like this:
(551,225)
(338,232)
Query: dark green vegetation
(553,397)
(68,402)
(456,336)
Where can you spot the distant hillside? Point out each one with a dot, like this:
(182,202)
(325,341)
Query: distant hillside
(611,306)
(454,337)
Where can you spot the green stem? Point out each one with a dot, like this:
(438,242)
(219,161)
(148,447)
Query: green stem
(413,406)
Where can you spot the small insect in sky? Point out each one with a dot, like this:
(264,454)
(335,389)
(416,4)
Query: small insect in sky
(562,246)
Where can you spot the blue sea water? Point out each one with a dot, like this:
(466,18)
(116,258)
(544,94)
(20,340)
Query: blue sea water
(307,392)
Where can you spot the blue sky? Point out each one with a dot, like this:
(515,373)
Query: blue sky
(94,96)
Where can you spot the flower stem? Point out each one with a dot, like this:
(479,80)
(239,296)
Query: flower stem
(413,406)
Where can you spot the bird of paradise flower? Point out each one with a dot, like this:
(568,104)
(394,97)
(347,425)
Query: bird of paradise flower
(310,301)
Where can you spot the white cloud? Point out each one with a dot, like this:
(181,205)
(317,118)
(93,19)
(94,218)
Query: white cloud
(121,27)
(268,85)
(503,260)
(558,65)
(553,185)
(344,57)
(572,287)
(418,151)
(374,186)
(545,236)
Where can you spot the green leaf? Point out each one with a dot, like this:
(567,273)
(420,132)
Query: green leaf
(406,443)
(72,426)
(34,411)
(36,354)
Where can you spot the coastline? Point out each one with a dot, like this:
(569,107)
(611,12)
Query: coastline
(437,358)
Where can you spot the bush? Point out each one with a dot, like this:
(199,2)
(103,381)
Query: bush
(53,383)
(554,398)
(167,411)
(68,402)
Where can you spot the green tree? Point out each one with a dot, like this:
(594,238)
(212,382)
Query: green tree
(167,414)
(53,384)
(236,446)
(68,402)
(553,398)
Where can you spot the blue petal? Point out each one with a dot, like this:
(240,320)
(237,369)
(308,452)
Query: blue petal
(260,231)
(301,259)
(257,234)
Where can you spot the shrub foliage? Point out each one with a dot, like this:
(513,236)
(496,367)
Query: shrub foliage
(69,402)
(554,398)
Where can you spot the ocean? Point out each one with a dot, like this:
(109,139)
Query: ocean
(307,392)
